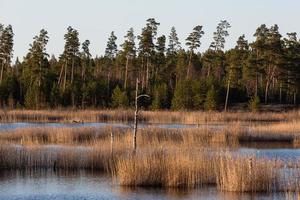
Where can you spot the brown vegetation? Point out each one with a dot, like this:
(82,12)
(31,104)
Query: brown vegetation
(196,117)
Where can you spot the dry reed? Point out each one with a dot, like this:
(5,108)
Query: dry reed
(165,169)
(247,174)
(186,117)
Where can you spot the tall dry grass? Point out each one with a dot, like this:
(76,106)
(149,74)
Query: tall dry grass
(247,174)
(147,137)
(55,157)
(165,169)
(191,169)
(187,117)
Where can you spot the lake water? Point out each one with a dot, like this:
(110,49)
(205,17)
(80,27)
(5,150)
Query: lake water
(80,185)
(8,126)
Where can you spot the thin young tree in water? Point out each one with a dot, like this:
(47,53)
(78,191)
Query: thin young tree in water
(136,113)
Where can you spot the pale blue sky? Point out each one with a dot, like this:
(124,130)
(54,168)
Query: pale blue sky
(95,19)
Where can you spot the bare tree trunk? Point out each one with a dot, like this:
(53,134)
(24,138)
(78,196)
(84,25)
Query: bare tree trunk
(280,93)
(72,75)
(73,99)
(135,115)
(147,73)
(126,72)
(256,84)
(189,65)
(2,69)
(227,95)
(266,92)
(83,72)
(65,79)
(208,71)
(60,75)
(295,98)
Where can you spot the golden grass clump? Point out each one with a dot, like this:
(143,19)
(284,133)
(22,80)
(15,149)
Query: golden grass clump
(165,169)
(247,174)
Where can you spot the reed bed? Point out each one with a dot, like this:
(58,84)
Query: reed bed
(57,157)
(247,174)
(147,137)
(185,117)
(189,169)
(165,169)
(283,132)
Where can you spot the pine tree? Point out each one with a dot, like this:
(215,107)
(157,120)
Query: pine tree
(160,96)
(69,56)
(182,98)
(193,42)
(160,58)
(147,49)
(174,44)
(220,35)
(119,98)
(236,59)
(130,52)
(6,48)
(86,58)
(289,75)
(211,100)
(36,66)
(111,47)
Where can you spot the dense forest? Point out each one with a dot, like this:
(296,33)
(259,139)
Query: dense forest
(264,71)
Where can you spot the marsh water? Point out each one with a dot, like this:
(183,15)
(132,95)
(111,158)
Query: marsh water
(82,185)
(86,185)
(8,126)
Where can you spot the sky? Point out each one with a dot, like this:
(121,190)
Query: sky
(95,19)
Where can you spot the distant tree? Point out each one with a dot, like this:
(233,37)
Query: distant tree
(147,49)
(6,48)
(119,98)
(36,67)
(254,104)
(211,99)
(193,42)
(111,48)
(236,59)
(160,58)
(69,56)
(160,96)
(290,75)
(182,98)
(220,35)
(86,58)
(174,44)
(130,52)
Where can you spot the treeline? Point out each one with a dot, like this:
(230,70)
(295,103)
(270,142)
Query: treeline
(266,70)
